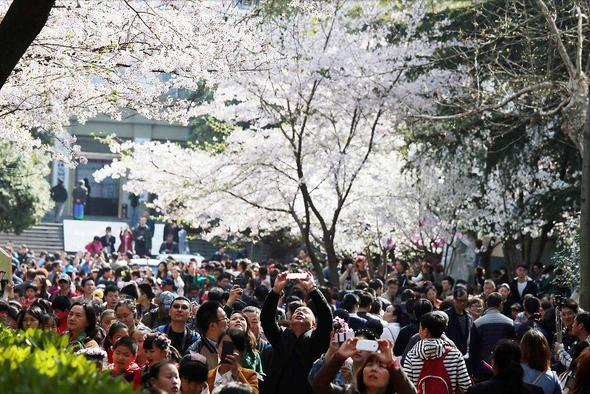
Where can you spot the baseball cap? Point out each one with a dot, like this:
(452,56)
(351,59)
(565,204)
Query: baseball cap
(64,277)
(166,298)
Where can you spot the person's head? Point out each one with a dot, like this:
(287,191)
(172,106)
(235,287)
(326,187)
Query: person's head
(488,287)
(238,320)
(433,324)
(82,319)
(146,293)
(124,352)
(535,350)
(447,283)
(581,326)
(421,307)
(431,293)
(108,230)
(460,298)
(515,309)
(180,310)
(88,287)
(32,317)
(377,285)
(169,238)
(211,319)
(494,300)
(64,283)
(506,365)
(125,312)
(106,319)
(193,373)
(30,291)
(392,287)
(532,306)
(252,313)
(116,331)
(156,347)
(139,336)
(61,306)
(8,314)
(350,302)
(569,310)
(233,388)
(111,296)
(581,383)
(475,307)
(96,239)
(163,375)
(303,320)
(521,271)
(391,313)
(374,375)
(504,290)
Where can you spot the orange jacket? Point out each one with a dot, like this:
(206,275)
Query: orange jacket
(247,376)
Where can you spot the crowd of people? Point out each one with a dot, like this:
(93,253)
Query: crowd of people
(236,326)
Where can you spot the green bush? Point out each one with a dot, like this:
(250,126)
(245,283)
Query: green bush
(39,362)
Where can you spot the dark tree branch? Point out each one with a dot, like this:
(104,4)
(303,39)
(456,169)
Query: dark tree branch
(23,21)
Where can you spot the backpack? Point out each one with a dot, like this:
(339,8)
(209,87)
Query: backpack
(434,378)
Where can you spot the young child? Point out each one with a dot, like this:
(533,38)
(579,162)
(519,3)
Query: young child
(124,352)
(116,331)
(29,297)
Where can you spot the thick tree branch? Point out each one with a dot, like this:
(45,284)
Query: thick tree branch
(571,70)
(23,21)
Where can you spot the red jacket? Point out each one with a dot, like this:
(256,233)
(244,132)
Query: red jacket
(126,242)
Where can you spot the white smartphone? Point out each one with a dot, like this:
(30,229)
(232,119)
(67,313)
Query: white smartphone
(296,275)
(367,345)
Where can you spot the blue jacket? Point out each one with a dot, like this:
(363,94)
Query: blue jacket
(490,328)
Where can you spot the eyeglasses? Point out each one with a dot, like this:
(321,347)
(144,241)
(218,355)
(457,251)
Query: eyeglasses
(178,306)
(222,319)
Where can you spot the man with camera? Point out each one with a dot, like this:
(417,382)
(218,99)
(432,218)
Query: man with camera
(296,348)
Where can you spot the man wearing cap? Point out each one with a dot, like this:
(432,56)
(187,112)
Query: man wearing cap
(64,287)
(59,195)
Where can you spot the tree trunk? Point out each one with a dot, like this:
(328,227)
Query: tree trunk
(332,259)
(585,219)
(510,255)
(23,21)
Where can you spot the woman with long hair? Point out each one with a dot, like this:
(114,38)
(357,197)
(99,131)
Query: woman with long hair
(379,373)
(229,368)
(32,317)
(126,237)
(251,357)
(536,362)
(82,327)
(508,373)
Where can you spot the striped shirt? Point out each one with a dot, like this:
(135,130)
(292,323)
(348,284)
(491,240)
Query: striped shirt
(432,348)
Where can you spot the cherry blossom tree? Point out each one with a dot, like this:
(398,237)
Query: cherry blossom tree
(323,90)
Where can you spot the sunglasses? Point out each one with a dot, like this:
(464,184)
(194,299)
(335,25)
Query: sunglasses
(178,306)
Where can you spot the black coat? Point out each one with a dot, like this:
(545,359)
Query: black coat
(495,386)
(455,333)
(531,288)
(293,357)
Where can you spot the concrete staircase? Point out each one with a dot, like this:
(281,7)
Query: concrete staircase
(43,236)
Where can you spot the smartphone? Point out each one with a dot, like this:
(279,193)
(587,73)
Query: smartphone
(341,337)
(226,350)
(296,275)
(367,345)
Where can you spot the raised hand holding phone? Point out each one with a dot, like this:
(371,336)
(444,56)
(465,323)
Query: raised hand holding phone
(348,348)
(280,283)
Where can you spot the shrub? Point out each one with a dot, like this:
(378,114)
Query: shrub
(39,362)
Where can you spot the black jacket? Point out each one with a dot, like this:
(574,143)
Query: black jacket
(531,288)
(459,336)
(59,193)
(495,386)
(292,357)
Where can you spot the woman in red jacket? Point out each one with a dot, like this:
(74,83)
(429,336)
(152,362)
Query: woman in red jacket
(126,237)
